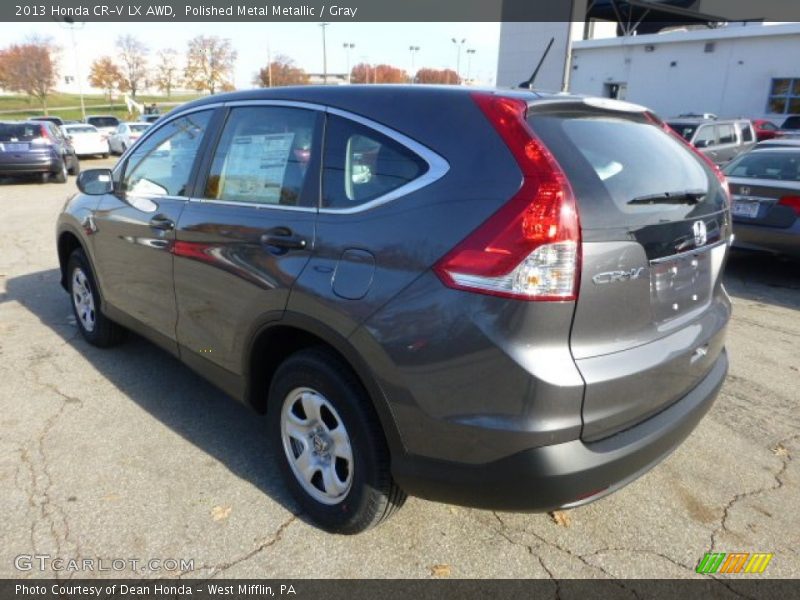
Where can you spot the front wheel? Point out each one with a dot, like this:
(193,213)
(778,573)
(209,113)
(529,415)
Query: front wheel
(329,443)
(95,327)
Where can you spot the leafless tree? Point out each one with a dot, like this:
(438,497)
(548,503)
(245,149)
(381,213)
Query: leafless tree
(133,58)
(209,64)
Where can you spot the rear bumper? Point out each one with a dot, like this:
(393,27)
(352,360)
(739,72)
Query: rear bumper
(567,474)
(44,165)
(91,150)
(768,239)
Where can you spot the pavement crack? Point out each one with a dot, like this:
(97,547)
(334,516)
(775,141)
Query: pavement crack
(220,568)
(503,533)
(777,484)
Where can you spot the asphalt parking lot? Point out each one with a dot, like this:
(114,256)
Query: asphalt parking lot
(126,454)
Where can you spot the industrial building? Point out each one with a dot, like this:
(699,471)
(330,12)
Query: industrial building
(689,65)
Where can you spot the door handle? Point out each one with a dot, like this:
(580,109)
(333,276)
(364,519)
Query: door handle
(162,222)
(284,238)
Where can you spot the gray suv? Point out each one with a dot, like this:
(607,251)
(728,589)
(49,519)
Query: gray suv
(502,299)
(720,140)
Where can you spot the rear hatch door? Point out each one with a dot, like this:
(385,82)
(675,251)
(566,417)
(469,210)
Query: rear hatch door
(651,312)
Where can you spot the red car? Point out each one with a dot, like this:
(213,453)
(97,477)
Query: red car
(765,130)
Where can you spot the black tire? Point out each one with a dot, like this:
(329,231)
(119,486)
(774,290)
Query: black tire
(105,332)
(60,176)
(373,495)
(75,169)
(104,155)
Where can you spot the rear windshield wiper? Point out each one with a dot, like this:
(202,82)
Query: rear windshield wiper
(684,197)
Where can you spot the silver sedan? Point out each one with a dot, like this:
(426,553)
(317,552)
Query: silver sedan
(765,191)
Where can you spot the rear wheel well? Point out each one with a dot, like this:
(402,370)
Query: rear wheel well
(67,244)
(271,348)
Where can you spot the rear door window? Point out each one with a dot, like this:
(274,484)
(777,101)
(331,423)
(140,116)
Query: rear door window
(726,134)
(361,164)
(627,171)
(264,157)
(747,132)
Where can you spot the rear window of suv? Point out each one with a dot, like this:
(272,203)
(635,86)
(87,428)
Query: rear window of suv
(19,132)
(622,167)
(103,121)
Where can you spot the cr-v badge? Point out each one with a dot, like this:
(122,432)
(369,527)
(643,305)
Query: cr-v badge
(614,276)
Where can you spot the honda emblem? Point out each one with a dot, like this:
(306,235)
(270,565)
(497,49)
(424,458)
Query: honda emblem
(700,233)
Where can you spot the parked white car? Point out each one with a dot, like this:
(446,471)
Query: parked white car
(86,140)
(106,124)
(125,135)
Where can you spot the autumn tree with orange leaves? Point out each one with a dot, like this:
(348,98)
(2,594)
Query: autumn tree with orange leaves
(281,72)
(440,76)
(105,75)
(29,68)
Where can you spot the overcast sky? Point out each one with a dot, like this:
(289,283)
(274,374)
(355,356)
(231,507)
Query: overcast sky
(375,43)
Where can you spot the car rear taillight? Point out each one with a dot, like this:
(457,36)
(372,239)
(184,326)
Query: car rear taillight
(44,139)
(530,248)
(723,181)
(792,202)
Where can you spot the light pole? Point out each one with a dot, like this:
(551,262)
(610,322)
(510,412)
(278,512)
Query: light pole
(413,50)
(324,26)
(71,24)
(347,47)
(459,45)
(470,52)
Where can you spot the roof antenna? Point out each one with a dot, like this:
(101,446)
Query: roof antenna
(528,85)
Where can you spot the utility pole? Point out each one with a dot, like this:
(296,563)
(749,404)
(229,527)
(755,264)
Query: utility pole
(459,45)
(413,50)
(324,26)
(347,47)
(70,22)
(470,52)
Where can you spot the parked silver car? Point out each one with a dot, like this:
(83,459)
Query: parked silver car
(125,135)
(765,189)
(721,140)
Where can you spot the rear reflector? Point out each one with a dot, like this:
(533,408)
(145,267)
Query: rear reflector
(45,138)
(530,248)
(792,202)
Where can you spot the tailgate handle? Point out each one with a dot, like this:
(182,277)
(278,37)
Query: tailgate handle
(699,353)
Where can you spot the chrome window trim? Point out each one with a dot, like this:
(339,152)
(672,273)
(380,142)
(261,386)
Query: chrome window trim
(254,205)
(437,166)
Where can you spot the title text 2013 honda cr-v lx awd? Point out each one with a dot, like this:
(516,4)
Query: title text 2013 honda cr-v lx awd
(503,299)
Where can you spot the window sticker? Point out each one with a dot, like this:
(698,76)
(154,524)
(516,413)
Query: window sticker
(255,167)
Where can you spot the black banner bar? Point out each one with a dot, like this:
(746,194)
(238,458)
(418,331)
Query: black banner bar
(383,10)
(641,589)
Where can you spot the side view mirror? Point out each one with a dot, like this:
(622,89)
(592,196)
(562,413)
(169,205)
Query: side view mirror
(702,143)
(96,182)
